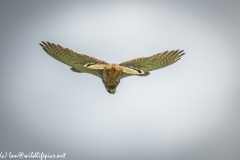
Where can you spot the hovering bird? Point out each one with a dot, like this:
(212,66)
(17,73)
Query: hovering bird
(111,74)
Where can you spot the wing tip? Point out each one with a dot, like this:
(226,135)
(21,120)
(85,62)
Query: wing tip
(41,45)
(181,54)
(50,45)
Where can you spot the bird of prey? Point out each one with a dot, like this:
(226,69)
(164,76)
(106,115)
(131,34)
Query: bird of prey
(111,74)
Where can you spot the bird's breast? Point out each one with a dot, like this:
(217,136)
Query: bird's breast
(111,75)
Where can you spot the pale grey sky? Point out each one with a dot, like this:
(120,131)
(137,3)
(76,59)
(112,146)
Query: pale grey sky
(189,110)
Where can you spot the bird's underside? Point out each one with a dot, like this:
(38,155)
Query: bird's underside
(111,74)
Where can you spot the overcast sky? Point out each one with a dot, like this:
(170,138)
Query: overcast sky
(189,110)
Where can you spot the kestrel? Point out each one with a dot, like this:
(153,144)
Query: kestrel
(111,74)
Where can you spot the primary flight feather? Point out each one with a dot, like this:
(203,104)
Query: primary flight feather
(111,74)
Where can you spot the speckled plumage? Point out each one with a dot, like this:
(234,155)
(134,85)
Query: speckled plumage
(111,74)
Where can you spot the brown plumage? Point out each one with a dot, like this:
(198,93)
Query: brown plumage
(111,74)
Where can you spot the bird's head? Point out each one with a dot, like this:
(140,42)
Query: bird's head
(111,89)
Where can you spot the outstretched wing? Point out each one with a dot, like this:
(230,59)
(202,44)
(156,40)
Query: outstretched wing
(71,58)
(154,62)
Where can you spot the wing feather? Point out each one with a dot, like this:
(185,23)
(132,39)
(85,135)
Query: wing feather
(154,62)
(71,58)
